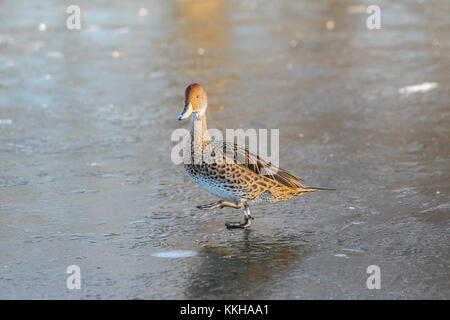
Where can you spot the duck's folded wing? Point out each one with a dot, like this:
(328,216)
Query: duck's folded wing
(244,158)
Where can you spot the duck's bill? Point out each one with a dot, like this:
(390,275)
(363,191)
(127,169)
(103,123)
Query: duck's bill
(186,112)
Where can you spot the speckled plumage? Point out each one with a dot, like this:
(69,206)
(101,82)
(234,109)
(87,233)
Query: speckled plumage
(237,183)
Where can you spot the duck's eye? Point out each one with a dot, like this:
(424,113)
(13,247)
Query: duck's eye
(198,96)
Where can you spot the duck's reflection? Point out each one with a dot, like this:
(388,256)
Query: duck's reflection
(241,268)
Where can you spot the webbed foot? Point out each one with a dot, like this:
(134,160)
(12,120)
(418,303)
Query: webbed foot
(240,225)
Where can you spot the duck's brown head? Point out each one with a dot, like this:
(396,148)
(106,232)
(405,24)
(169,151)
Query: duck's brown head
(195,101)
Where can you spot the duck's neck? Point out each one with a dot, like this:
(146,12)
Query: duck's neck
(199,130)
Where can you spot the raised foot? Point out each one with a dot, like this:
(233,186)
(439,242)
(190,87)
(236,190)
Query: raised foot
(210,206)
(239,225)
(219,204)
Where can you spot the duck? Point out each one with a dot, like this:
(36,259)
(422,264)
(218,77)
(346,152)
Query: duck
(231,172)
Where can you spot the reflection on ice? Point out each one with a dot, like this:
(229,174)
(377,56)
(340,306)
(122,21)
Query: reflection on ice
(174,254)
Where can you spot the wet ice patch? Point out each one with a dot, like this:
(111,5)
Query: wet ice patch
(175,254)
(423,87)
(341,255)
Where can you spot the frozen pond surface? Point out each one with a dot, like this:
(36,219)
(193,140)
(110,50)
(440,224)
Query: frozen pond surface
(86,118)
(174,254)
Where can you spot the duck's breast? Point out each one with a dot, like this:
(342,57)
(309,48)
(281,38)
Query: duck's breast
(214,183)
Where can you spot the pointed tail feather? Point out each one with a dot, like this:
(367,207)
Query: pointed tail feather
(305,190)
(321,189)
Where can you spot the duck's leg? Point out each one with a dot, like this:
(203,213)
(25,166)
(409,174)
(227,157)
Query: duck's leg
(247,220)
(220,204)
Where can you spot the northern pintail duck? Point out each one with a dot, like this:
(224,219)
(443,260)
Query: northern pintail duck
(237,183)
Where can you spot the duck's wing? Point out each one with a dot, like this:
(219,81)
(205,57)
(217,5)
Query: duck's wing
(244,158)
